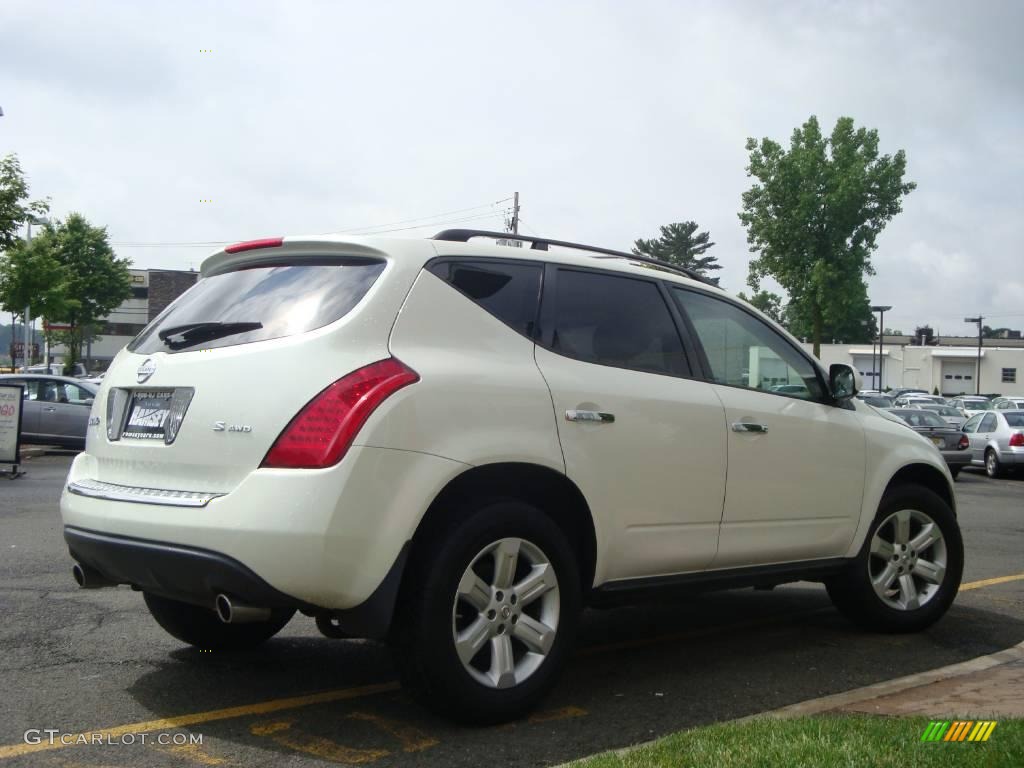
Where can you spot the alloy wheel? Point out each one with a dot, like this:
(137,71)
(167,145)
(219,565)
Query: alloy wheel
(505,613)
(908,558)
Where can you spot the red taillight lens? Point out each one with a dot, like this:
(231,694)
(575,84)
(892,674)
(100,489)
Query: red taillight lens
(321,432)
(252,245)
(1017,439)
(964,443)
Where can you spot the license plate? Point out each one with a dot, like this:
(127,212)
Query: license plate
(938,441)
(148,415)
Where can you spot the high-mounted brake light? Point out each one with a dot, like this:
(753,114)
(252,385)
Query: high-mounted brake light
(1017,440)
(252,245)
(323,430)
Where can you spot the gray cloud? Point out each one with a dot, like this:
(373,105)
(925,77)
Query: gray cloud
(609,118)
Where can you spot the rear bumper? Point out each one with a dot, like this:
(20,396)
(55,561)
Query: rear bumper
(957,458)
(189,574)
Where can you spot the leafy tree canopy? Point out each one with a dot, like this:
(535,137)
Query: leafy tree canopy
(767,302)
(813,216)
(681,244)
(15,207)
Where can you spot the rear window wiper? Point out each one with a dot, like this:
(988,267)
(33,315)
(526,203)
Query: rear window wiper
(196,333)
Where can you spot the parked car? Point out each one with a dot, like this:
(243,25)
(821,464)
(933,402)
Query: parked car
(55,409)
(948,413)
(971,406)
(455,446)
(878,401)
(897,393)
(951,442)
(906,401)
(1008,403)
(791,389)
(997,440)
(77,370)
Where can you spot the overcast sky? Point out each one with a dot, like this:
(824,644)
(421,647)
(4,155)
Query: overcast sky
(609,118)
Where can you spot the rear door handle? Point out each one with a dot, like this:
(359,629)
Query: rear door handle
(749,426)
(49,409)
(598,417)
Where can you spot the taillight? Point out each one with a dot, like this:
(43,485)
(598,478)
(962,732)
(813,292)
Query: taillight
(1017,440)
(964,443)
(323,430)
(252,245)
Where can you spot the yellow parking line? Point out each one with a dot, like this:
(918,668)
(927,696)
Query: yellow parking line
(990,582)
(197,718)
(342,694)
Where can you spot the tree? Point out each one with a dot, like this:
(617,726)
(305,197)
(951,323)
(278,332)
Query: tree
(860,326)
(15,209)
(814,214)
(682,245)
(97,281)
(769,303)
(29,274)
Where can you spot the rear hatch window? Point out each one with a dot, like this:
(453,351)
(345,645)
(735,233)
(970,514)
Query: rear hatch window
(259,303)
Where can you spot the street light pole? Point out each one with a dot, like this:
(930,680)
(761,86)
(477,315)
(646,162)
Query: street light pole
(28,308)
(977,375)
(881,340)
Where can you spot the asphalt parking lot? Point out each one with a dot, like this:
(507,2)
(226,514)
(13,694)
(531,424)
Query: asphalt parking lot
(95,662)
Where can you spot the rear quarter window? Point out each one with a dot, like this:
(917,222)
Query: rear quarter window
(508,290)
(284,300)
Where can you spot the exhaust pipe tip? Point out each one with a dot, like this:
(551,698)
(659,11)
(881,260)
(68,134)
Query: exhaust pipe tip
(89,578)
(231,612)
(223,606)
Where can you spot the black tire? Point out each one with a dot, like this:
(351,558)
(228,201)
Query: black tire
(202,628)
(423,639)
(852,591)
(993,467)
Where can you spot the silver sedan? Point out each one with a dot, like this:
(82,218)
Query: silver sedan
(55,409)
(997,440)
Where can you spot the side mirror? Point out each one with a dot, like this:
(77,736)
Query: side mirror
(843,381)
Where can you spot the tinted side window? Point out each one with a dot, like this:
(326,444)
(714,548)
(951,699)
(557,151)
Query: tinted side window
(510,292)
(971,425)
(988,423)
(616,321)
(744,352)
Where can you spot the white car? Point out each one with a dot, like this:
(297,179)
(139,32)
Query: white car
(457,446)
(972,406)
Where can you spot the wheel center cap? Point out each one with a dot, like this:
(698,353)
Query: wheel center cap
(506,611)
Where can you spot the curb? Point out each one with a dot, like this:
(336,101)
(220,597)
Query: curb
(857,695)
(32,453)
(888,687)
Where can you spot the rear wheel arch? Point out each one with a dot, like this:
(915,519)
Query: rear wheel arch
(548,490)
(924,475)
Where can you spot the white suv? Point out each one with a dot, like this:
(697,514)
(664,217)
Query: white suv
(457,445)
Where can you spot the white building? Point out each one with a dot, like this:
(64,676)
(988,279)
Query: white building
(950,367)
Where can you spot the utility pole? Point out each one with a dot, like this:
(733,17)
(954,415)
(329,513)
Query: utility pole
(515,214)
(977,376)
(881,341)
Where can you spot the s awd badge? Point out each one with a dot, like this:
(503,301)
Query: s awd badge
(223,426)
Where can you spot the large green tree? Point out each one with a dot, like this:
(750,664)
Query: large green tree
(97,281)
(813,216)
(16,283)
(681,244)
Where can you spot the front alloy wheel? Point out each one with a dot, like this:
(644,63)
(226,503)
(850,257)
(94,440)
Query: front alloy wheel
(908,560)
(505,616)
(908,571)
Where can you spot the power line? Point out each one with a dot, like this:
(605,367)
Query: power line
(368,229)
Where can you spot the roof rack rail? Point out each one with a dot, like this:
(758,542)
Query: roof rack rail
(542,243)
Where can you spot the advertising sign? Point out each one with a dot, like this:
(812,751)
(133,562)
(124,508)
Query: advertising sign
(10,423)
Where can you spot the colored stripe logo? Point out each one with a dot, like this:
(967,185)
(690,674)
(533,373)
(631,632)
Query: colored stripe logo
(959,730)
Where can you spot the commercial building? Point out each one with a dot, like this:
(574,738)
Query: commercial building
(152,291)
(950,365)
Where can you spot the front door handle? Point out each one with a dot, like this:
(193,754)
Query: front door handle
(749,426)
(598,417)
(50,409)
